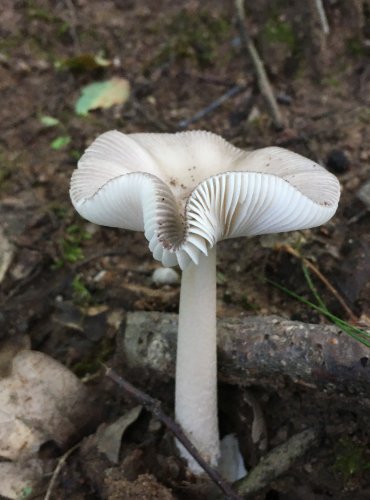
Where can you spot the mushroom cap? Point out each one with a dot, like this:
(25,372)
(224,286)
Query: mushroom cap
(189,190)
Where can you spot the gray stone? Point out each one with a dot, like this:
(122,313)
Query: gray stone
(165,276)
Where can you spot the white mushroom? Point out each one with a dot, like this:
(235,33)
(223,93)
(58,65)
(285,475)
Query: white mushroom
(187,191)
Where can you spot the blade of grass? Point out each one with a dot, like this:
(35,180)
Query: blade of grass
(343,324)
(313,288)
(354,332)
(289,249)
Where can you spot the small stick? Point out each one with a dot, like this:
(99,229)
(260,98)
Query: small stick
(211,107)
(154,406)
(322,278)
(58,468)
(262,79)
(278,461)
(322,16)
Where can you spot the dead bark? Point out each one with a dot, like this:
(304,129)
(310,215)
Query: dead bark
(263,351)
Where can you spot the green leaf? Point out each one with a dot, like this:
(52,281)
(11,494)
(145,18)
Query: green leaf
(80,293)
(102,95)
(26,492)
(49,121)
(60,142)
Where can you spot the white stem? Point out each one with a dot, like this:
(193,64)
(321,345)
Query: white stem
(196,365)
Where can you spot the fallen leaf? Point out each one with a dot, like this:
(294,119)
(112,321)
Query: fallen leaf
(102,95)
(109,437)
(69,315)
(18,480)
(60,142)
(49,121)
(259,428)
(40,400)
(84,62)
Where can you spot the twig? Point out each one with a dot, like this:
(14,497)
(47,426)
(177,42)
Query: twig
(322,16)
(211,107)
(262,79)
(57,470)
(278,461)
(154,406)
(271,352)
(322,278)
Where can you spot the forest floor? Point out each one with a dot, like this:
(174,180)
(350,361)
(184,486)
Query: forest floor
(67,285)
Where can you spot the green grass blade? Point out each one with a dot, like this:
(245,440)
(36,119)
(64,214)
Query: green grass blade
(313,288)
(354,332)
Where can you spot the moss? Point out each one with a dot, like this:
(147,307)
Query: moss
(355,47)
(70,245)
(279,31)
(351,458)
(193,36)
(281,44)
(60,210)
(331,81)
(81,294)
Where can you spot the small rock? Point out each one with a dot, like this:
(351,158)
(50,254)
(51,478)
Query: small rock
(91,228)
(40,400)
(165,276)
(100,276)
(337,161)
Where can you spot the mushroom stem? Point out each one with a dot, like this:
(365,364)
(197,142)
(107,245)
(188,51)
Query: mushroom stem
(196,365)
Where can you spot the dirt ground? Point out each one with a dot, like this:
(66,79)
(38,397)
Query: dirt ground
(69,285)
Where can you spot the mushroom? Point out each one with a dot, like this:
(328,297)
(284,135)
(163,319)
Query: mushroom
(187,191)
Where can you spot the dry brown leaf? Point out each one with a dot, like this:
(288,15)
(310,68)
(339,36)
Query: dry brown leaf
(18,480)
(109,437)
(40,400)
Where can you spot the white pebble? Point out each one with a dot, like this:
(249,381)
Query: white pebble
(165,276)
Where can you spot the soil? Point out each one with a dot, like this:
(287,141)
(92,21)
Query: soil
(69,284)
